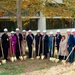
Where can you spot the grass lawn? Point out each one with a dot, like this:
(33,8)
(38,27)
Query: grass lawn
(28,66)
(18,67)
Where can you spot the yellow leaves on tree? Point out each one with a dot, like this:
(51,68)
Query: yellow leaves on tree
(32,7)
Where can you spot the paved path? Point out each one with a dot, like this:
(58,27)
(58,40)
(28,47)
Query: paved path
(67,69)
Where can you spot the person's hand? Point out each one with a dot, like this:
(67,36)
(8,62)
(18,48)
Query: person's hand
(10,38)
(67,46)
(73,48)
(7,39)
(18,37)
(55,45)
(42,38)
(12,44)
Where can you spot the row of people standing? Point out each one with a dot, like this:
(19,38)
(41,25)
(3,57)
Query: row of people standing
(17,42)
(10,44)
(43,43)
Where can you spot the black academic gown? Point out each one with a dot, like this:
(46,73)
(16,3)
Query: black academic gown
(5,45)
(17,44)
(0,52)
(38,44)
(45,45)
(29,43)
(58,39)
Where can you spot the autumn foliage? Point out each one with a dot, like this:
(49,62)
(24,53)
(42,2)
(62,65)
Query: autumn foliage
(32,7)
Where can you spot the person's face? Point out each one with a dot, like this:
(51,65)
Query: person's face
(30,32)
(73,33)
(63,38)
(38,32)
(44,33)
(51,34)
(17,31)
(5,32)
(68,33)
(58,32)
(24,33)
(12,34)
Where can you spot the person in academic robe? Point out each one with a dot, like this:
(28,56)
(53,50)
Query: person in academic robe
(23,43)
(45,41)
(18,43)
(5,43)
(58,39)
(73,32)
(70,45)
(63,52)
(38,43)
(12,41)
(0,48)
(0,51)
(51,44)
(30,38)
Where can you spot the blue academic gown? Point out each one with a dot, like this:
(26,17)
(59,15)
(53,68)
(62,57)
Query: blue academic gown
(74,42)
(70,43)
(51,45)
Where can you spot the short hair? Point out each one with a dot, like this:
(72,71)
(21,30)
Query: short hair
(63,36)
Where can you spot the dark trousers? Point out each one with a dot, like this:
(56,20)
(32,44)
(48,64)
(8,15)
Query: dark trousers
(37,54)
(62,57)
(46,51)
(5,51)
(71,58)
(17,52)
(58,48)
(38,51)
(0,52)
(30,51)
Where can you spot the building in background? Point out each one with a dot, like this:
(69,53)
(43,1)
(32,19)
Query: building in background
(39,22)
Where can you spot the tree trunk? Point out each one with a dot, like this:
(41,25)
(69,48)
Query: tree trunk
(19,20)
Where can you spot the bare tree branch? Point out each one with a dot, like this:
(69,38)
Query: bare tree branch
(8,10)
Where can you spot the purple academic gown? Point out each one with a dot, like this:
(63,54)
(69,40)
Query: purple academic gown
(13,41)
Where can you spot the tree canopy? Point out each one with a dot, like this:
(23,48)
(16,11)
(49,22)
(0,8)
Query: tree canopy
(29,8)
(32,7)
